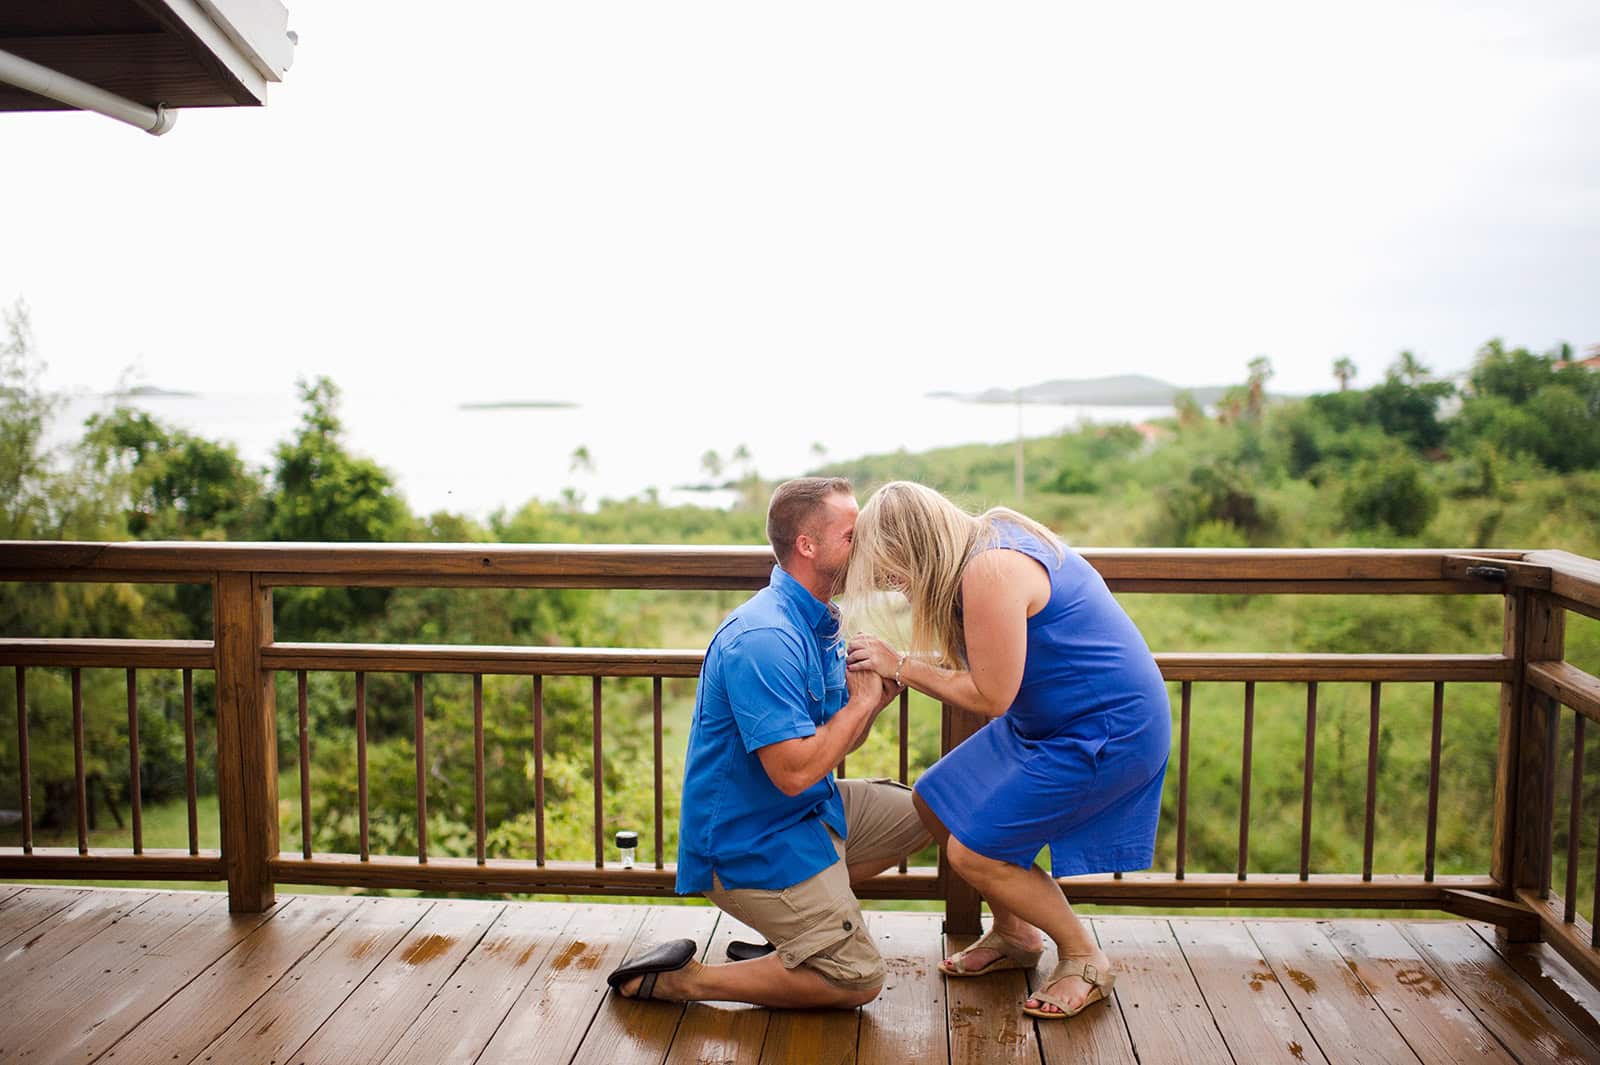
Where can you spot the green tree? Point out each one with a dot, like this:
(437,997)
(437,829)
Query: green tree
(1408,368)
(1390,493)
(323,493)
(1256,385)
(25,411)
(1344,370)
(181,486)
(711,463)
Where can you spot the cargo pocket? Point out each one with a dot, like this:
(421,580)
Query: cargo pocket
(838,948)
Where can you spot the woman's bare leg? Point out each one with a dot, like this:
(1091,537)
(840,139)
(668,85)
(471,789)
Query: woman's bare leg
(1030,899)
(1006,922)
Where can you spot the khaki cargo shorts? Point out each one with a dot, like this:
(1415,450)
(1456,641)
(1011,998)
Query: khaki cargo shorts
(817,922)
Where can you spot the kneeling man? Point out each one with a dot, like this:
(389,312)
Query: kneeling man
(765,831)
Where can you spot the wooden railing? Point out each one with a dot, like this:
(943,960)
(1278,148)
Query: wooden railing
(1537,588)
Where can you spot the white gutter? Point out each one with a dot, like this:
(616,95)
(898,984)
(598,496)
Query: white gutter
(26,74)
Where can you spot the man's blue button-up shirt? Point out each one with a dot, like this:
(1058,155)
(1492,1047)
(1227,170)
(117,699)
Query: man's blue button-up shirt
(774,671)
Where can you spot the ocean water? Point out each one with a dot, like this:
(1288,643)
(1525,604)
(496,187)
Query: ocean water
(475,461)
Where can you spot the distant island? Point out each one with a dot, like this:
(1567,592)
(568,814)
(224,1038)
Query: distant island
(150,392)
(1122,390)
(520,404)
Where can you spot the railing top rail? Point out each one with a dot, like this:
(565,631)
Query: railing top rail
(663,566)
(1572,577)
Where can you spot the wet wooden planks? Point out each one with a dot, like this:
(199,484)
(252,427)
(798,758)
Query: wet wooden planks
(125,976)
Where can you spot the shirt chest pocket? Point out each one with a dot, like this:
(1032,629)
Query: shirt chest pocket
(825,685)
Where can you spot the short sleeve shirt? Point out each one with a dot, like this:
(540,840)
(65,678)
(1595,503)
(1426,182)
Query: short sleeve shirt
(774,671)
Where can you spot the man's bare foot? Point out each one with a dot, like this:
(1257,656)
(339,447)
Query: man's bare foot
(983,956)
(672,986)
(1072,989)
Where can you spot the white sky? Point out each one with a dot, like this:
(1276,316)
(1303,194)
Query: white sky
(553,200)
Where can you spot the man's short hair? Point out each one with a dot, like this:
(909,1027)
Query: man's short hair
(794,505)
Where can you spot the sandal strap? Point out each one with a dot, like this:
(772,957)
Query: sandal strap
(1088,972)
(992,940)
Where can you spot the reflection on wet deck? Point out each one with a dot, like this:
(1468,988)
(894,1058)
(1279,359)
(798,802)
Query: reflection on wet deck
(128,976)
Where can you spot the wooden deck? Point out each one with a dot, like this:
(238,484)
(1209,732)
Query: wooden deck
(133,976)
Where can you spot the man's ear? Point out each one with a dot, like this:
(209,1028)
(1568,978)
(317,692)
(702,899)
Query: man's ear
(804,545)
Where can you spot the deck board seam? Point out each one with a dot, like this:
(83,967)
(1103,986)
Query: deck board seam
(45,917)
(1444,978)
(514,999)
(705,958)
(288,1055)
(1426,954)
(1494,946)
(248,1005)
(500,1024)
(577,1048)
(199,972)
(1384,1009)
(1279,978)
(1210,1009)
(1116,1000)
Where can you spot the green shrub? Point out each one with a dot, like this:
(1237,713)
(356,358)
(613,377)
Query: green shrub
(1389,494)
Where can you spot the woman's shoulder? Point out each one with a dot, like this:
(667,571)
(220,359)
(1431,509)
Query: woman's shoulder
(1010,535)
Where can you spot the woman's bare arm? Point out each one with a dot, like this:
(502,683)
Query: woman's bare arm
(1000,590)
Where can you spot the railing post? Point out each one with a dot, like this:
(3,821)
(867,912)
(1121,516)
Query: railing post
(247,745)
(1534,631)
(963,908)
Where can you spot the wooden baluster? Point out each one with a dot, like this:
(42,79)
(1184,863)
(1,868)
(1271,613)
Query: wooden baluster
(1433,781)
(77,761)
(905,745)
(1574,814)
(1244,778)
(1552,736)
(1594,933)
(1183,778)
(538,770)
(361,763)
(655,710)
(1310,775)
(599,783)
(190,789)
(477,762)
(305,766)
(134,784)
(25,784)
(1372,781)
(422,763)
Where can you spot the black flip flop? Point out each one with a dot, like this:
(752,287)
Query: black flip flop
(739,950)
(666,958)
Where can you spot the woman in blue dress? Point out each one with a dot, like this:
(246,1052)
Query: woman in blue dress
(1008,622)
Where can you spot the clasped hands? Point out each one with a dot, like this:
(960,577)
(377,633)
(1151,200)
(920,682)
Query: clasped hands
(869,660)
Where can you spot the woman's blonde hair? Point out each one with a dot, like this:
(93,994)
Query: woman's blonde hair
(911,539)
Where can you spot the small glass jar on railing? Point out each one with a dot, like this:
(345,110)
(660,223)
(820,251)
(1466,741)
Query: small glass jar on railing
(628,845)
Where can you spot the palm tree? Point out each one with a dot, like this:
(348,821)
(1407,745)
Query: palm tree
(1256,387)
(711,463)
(1344,368)
(1408,368)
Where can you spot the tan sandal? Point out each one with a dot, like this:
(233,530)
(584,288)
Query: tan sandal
(1011,957)
(1100,985)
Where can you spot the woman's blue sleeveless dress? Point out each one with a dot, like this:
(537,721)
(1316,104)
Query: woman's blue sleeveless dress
(1078,760)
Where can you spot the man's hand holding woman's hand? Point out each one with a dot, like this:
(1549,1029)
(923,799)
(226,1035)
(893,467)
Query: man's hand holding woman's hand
(868,652)
(861,669)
